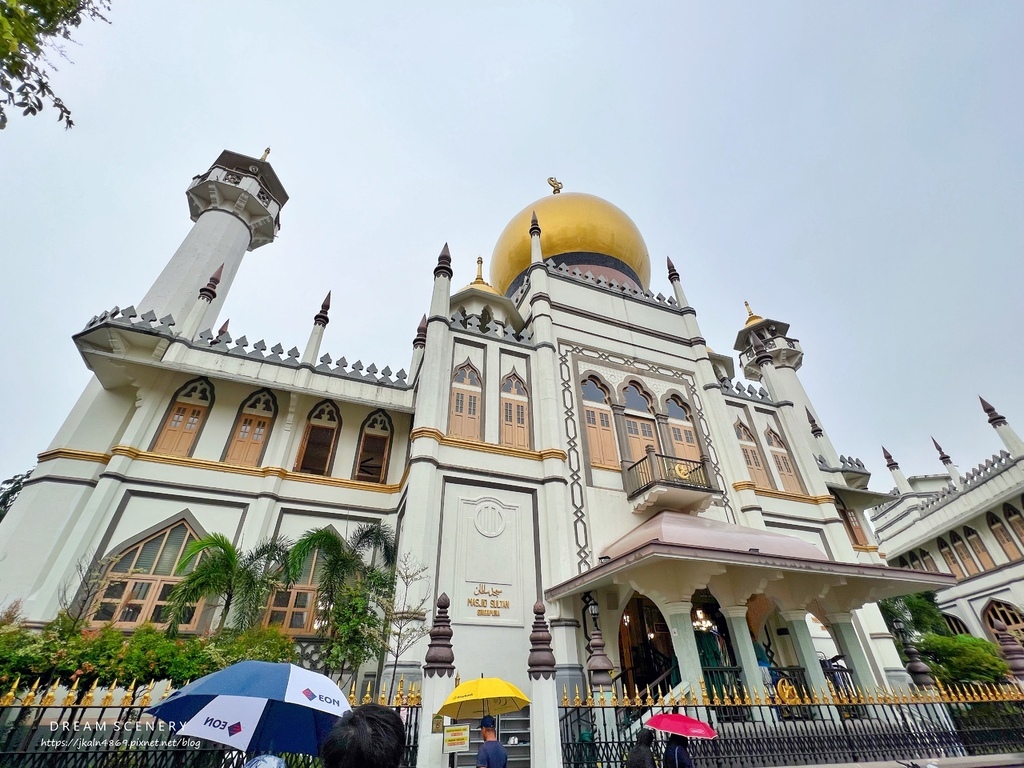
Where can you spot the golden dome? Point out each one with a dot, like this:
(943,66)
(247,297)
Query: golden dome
(570,222)
(752,319)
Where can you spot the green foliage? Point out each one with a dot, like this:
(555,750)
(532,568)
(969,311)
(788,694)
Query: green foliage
(357,630)
(962,658)
(106,654)
(919,613)
(11,487)
(28,30)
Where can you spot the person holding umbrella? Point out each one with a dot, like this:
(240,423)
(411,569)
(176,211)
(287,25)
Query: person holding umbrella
(491,754)
(641,755)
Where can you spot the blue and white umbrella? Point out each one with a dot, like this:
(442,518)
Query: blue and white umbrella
(257,706)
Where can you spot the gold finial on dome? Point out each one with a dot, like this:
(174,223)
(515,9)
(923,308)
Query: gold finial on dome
(479,283)
(556,185)
(751,317)
(265,153)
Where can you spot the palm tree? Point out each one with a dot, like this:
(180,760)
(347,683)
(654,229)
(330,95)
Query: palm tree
(350,586)
(244,580)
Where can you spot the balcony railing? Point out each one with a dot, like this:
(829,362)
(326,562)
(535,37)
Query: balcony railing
(658,469)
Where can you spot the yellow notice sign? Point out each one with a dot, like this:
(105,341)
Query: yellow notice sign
(456,739)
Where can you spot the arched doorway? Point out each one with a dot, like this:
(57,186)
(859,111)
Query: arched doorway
(719,667)
(646,656)
(1010,615)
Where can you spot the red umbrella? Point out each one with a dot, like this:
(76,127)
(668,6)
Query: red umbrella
(681,725)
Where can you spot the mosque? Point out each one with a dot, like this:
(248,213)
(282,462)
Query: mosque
(562,433)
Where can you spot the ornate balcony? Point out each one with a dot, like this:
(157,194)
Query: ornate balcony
(668,482)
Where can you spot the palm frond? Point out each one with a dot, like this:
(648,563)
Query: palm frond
(377,536)
(218,542)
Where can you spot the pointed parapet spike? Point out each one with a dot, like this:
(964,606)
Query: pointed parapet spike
(534,225)
(444,264)
(673,274)
(209,291)
(943,456)
(321,318)
(993,416)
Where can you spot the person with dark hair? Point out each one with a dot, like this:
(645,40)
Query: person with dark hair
(491,754)
(677,755)
(370,736)
(641,755)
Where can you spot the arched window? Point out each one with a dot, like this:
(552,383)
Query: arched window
(783,462)
(681,430)
(851,521)
(1014,519)
(597,417)
(951,562)
(466,401)
(374,448)
(955,624)
(640,430)
(928,560)
(963,553)
(515,412)
(1004,537)
(751,455)
(185,418)
(901,561)
(252,428)
(915,563)
(987,564)
(138,584)
(1010,615)
(294,609)
(316,454)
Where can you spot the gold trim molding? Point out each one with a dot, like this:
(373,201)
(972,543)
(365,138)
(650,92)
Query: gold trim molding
(74,454)
(771,493)
(217,466)
(477,445)
(866,548)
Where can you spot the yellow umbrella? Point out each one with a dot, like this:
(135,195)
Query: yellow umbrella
(483,696)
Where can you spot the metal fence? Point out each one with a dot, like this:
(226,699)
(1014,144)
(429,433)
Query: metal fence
(77,736)
(806,729)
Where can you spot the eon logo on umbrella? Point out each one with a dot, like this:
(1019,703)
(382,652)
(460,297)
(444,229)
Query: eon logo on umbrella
(314,696)
(233,729)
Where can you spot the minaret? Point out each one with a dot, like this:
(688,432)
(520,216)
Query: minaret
(947,462)
(320,321)
(902,484)
(236,208)
(1014,445)
(418,343)
(689,313)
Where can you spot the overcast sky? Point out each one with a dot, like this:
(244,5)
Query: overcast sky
(852,169)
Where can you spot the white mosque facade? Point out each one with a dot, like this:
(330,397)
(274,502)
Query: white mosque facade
(561,434)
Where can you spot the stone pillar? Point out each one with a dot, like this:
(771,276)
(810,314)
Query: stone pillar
(1011,650)
(684,642)
(845,634)
(619,420)
(800,634)
(545,735)
(739,632)
(438,682)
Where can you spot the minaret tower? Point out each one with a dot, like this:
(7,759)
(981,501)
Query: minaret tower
(236,207)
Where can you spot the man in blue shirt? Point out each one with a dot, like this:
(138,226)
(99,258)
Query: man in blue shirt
(491,754)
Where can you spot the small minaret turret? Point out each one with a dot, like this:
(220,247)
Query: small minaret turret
(418,343)
(822,445)
(440,298)
(902,484)
(692,331)
(316,336)
(536,256)
(236,207)
(1014,445)
(947,462)
(206,296)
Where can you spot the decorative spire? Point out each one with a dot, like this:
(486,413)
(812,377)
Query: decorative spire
(556,185)
(673,275)
(420,341)
(890,462)
(444,264)
(993,416)
(541,662)
(223,328)
(266,152)
(751,317)
(762,356)
(943,456)
(815,429)
(440,658)
(1011,650)
(209,291)
(534,226)
(320,318)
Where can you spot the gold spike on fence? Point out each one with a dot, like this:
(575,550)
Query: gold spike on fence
(129,695)
(167,691)
(590,696)
(8,698)
(30,697)
(51,695)
(757,696)
(396,701)
(661,697)
(576,700)
(615,699)
(600,691)
(382,697)
(649,701)
(367,699)
(565,695)
(147,694)
(90,694)
(72,694)
(458,681)
(746,696)
(352,693)
(108,699)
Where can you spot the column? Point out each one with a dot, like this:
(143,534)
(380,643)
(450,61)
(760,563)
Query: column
(845,635)
(800,634)
(743,646)
(545,735)
(438,683)
(684,643)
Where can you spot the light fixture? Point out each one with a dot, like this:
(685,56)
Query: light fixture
(650,635)
(701,623)
(625,619)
